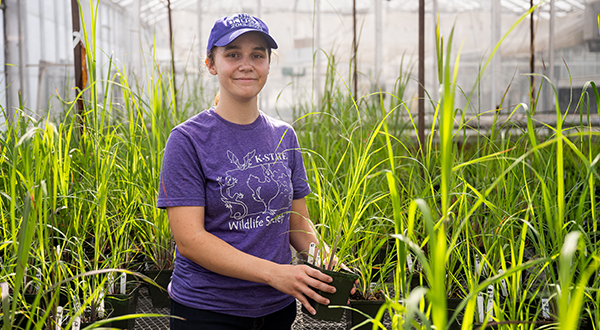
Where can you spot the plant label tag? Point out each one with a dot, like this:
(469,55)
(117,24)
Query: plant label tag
(484,265)
(503,287)
(111,283)
(409,262)
(480,306)
(311,253)
(477,265)
(3,290)
(59,316)
(490,302)
(38,275)
(123,283)
(76,323)
(101,308)
(545,308)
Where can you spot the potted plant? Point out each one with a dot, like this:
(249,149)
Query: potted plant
(374,263)
(122,298)
(158,245)
(343,200)
(343,281)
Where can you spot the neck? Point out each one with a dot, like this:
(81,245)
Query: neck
(242,113)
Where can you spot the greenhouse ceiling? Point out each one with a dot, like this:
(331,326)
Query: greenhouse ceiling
(153,11)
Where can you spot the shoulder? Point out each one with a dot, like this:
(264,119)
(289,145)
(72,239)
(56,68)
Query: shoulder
(198,121)
(193,129)
(197,127)
(277,124)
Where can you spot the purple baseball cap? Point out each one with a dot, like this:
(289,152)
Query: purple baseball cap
(228,28)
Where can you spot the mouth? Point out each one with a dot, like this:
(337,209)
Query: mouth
(245,79)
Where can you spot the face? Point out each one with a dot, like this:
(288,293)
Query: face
(242,67)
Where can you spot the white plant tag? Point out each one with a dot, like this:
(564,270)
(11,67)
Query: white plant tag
(480,307)
(59,316)
(409,262)
(311,254)
(503,287)
(477,265)
(38,275)
(123,283)
(101,306)
(3,290)
(76,323)
(490,302)
(545,308)
(483,265)
(111,283)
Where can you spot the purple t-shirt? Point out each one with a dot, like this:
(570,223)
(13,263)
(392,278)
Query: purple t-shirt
(246,177)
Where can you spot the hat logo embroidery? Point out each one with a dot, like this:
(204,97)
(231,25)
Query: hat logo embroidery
(244,20)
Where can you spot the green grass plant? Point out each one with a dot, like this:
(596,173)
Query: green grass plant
(510,196)
(79,204)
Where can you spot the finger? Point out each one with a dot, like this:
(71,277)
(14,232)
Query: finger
(353,290)
(318,285)
(302,299)
(314,273)
(317,297)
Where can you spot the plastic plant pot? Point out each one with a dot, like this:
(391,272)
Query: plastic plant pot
(369,307)
(160,298)
(343,282)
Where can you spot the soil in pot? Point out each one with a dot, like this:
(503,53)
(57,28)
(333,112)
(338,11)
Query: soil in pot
(343,282)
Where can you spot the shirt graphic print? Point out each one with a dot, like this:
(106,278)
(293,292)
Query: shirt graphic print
(250,190)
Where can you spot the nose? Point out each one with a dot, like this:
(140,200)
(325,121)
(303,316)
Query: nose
(246,64)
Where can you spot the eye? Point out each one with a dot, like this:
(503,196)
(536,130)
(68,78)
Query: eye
(232,55)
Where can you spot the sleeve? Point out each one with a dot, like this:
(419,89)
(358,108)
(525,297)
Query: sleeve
(299,178)
(182,182)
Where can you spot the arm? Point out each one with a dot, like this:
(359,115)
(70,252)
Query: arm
(302,231)
(214,254)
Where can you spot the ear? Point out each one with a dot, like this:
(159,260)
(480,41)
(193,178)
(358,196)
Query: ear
(211,66)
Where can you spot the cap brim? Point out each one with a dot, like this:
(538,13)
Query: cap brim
(230,37)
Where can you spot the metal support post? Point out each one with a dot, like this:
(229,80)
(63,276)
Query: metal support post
(378,42)
(318,55)
(77,53)
(421,121)
(532,57)
(496,13)
(551,75)
(354,51)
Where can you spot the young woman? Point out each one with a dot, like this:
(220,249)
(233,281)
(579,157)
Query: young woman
(233,184)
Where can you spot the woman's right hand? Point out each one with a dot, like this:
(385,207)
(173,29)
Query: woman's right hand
(300,282)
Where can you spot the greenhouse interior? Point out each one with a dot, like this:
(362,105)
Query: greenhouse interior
(450,151)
